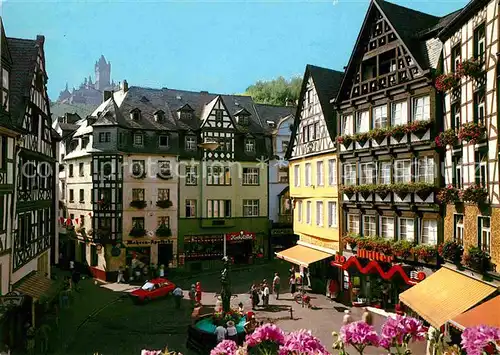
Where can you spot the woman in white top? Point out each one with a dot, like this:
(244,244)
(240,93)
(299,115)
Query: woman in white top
(232,333)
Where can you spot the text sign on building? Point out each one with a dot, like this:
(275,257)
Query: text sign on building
(239,236)
(374,255)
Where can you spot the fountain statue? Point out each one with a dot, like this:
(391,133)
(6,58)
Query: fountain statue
(226,287)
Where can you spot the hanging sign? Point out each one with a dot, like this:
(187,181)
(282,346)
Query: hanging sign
(237,236)
(374,255)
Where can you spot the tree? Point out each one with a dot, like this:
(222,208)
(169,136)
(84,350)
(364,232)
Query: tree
(276,91)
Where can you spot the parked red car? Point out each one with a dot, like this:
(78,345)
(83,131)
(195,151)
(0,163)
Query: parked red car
(152,289)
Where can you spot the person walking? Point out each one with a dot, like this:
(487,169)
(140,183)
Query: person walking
(265,294)
(192,295)
(221,333)
(232,333)
(347,317)
(254,291)
(293,284)
(367,316)
(198,292)
(178,295)
(276,285)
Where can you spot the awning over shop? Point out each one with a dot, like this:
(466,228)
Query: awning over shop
(487,313)
(302,255)
(35,285)
(444,295)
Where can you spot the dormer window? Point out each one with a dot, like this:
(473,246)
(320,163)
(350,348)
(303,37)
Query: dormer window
(185,115)
(5,89)
(73,145)
(250,145)
(163,141)
(135,114)
(190,143)
(271,124)
(159,116)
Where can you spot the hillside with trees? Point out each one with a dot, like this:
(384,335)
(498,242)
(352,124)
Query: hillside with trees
(276,91)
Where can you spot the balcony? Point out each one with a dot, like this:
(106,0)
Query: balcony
(411,193)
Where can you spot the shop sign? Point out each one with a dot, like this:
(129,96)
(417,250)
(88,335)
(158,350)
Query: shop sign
(374,255)
(238,236)
(213,238)
(281,231)
(147,242)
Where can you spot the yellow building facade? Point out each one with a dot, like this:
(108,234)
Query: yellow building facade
(313,171)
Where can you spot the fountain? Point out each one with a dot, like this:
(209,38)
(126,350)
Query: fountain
(201,334)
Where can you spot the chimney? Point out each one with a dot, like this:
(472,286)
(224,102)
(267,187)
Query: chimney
(204,92)
(106,95)
(124,86)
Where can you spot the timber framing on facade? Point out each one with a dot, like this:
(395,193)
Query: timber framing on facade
(390,114)
(473,36)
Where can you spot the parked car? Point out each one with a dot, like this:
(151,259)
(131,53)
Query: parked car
(152,289)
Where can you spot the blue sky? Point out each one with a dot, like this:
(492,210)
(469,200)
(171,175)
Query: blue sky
(219,46)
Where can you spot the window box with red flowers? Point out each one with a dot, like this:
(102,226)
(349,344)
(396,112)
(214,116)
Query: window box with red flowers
(398,132)
(471,132)
(471,68)
(352,240)
(137,232)
(379,134)
(418,128)
(451,251)
(164,203)
(344,140)
(349,190)
(445,82)
(447,138)
(449,195)
(163,231)
(401,190)
(422,189)
(402,249)
(424,252)
(382,191)
(475,194)
(478,260)
(361,138)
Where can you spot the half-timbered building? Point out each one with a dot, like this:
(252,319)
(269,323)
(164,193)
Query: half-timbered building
(8,138)
(390,114)
(313,166)
(35,204)
(470,54)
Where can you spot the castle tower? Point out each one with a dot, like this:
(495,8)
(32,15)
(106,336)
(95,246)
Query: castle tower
(102,74)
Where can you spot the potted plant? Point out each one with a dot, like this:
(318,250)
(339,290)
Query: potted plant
(349,190)
(401,190)
(471,68)
(424,252)
(345,140)
(139,204)
(398,132)
(477,260)
(366,190)
(422,189)
(382,191)
(164,203)
(475,194)
(471,132)
(402,249)
(451,251)
(378,134)
(445,82)
(449,195)
(418,128)
(137,232)
(163,231)
(352,240)
(447,138)
(361,138)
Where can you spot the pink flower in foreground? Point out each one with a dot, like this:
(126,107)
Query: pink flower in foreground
(478,339)
(400,329)
(302,342)
(150,352)
(225,347)
(358,334)
(267,332)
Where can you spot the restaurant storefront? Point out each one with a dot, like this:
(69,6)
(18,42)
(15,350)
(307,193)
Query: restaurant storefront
(374,279)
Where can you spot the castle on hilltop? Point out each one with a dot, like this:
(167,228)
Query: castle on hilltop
(91,92)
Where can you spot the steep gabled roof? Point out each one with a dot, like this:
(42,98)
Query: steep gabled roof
(24,53)
(3,45)
(461,17)
(327,84)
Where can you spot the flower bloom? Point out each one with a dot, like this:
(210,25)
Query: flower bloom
(302,342)
(268,332)
(151,352)
(359,333)
(400,329)
(225,347)
(478,339)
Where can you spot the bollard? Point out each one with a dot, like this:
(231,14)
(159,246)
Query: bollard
(291,312)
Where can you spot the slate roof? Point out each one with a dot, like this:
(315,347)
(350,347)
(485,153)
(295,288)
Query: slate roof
(24,53)
(116,111)
(461,17)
